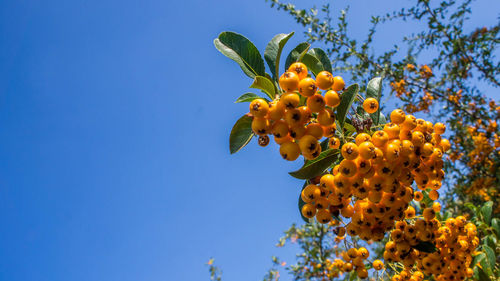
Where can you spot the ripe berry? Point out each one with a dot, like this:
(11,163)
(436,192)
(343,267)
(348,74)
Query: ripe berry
(324,80)
(314,129)
(308,211)
(378,265)
(290,100)
(299,68)
(307,87)
(260,126)
(326,117)
(308,144)
(332,98)
(259,108)
(316,103)
(348,168)
(276,110)
(289,81)
(350,151)
(338,83)
(290,151)
(370,105)
(397,116)
(334,143)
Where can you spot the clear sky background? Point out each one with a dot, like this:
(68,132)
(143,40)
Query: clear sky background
(114,125)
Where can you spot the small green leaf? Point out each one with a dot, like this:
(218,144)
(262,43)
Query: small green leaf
(296,54)
(238,48)
(353,275)
(486,267)
(346,100)
(483,275)
(486,211)
(495,223)
(472,207)
(326,64)
(241,134)
(490,255)
(374,90)
(312,63)
(264,84)
(272,54)
(248,97)
(313,168)
(479,258)
(302,203)
(427,247)
(381,119)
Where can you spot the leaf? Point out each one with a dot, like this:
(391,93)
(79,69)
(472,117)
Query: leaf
(313,168)
(490,255)
(427,247)
(374,90)
(486,211)
(238,48)
(302,203)
(486,267)
(272,54)
(264,84)
(346,101)
(381,119)
(312,63)
(248,97)
(353,275)
(241,134)
(296,54)
(495,223)
(323,58)
(472,207)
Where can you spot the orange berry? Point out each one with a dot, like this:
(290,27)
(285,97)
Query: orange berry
(338,83)
(299,68)
(370,105)
(397,116)
(307,87)
(316,103)
(332,98)
(350,151)
(324,80)
(259,108)
(289,81)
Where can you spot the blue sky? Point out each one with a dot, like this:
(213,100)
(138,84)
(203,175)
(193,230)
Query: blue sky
(114,121)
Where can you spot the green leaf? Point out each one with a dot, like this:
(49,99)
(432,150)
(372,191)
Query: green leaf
(479,258)
(326,64)
(272,54)
(483,275)
(238,48)
(313,168)
(495,223)
(241,134)
(296,54)
(374,90)
(426,246)
(248,97)
(381,119)
(346,100)
(312,63)
(486,267)
(302,203)
(490,255)
(353,275)
(472,207)
(264,84)
(486,211)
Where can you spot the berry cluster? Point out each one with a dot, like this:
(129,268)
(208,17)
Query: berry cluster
(298,128)
(455,241)
(379,171)
(372,184)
